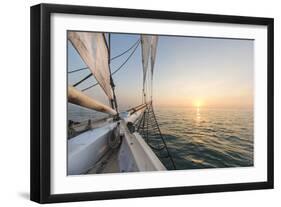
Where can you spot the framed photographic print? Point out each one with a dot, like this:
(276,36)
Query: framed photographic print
(133,103)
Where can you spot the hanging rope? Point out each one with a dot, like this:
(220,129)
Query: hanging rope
(123,53)
(126,59)
(119,68)
(115,57)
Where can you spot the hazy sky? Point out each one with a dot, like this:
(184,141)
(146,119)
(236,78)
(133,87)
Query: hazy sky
(211,72)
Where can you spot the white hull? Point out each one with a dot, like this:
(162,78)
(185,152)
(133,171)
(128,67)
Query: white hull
(135,155)
(86,149)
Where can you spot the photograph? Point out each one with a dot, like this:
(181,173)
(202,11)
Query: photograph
(156,102)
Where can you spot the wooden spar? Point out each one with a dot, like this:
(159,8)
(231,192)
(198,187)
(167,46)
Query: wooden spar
(77,97)
(137,108)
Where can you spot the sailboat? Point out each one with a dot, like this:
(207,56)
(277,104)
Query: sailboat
(124,141)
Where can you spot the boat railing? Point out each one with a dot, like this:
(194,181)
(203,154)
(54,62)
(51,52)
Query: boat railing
(76,128)
(137,108)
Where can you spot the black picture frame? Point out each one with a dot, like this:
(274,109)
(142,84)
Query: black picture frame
(41,98)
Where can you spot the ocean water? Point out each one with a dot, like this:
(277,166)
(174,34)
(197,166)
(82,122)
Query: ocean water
(207,138)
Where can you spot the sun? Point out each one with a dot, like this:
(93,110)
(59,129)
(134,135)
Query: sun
(197,103)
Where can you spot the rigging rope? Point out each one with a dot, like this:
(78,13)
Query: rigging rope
(115,57)
(73,71)
(126,59)
(123,53)
(149,128)
(119,68)
(85,78)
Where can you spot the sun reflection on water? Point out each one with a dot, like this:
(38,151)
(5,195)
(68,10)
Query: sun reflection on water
(198,114)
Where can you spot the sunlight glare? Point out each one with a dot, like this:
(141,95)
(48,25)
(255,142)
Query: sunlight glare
(197,103)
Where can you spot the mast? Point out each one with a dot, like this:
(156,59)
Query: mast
(114,101)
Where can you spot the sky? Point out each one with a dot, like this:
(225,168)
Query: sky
(189,72)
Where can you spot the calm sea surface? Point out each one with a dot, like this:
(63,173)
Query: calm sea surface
(201,138)
(208,138)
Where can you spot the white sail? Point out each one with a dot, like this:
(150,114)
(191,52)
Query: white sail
(94,52)
(154,41)
(145,46)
